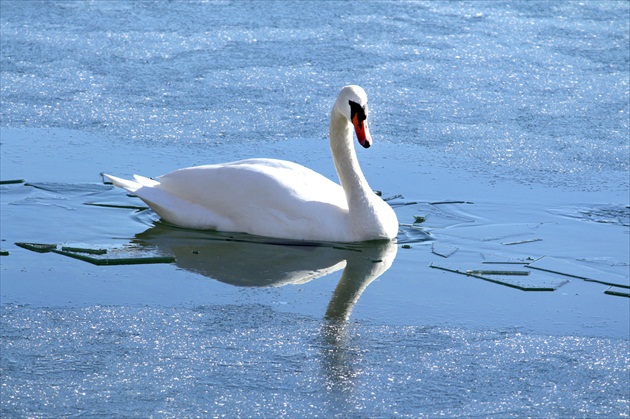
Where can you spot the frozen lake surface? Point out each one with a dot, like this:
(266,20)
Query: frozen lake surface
(501,133)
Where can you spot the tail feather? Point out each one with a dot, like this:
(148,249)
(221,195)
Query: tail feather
(145,181)
(129,185)
(168,206)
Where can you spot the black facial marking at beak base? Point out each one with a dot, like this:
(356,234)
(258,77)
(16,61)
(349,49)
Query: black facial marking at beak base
(358,110)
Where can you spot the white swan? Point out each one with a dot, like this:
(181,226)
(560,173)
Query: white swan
(278,198)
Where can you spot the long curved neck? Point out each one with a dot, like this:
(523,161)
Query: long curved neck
(350,175)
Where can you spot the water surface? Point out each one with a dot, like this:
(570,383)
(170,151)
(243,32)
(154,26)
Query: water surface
(504,126)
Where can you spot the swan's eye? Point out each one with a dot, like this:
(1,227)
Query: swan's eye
(358,110)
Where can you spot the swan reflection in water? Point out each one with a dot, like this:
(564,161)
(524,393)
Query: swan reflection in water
(251,261)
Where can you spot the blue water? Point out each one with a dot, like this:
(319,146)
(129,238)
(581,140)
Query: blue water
(519,107)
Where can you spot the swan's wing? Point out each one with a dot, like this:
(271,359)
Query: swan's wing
(259,196)
(270,183)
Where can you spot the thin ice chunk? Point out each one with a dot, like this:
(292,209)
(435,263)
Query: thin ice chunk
(575,270)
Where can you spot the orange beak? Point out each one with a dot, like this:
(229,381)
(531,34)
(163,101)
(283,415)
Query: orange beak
(363,133)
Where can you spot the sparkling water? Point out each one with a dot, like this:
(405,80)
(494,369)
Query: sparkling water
(519,106)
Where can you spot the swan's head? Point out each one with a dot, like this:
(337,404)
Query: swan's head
(352,103)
